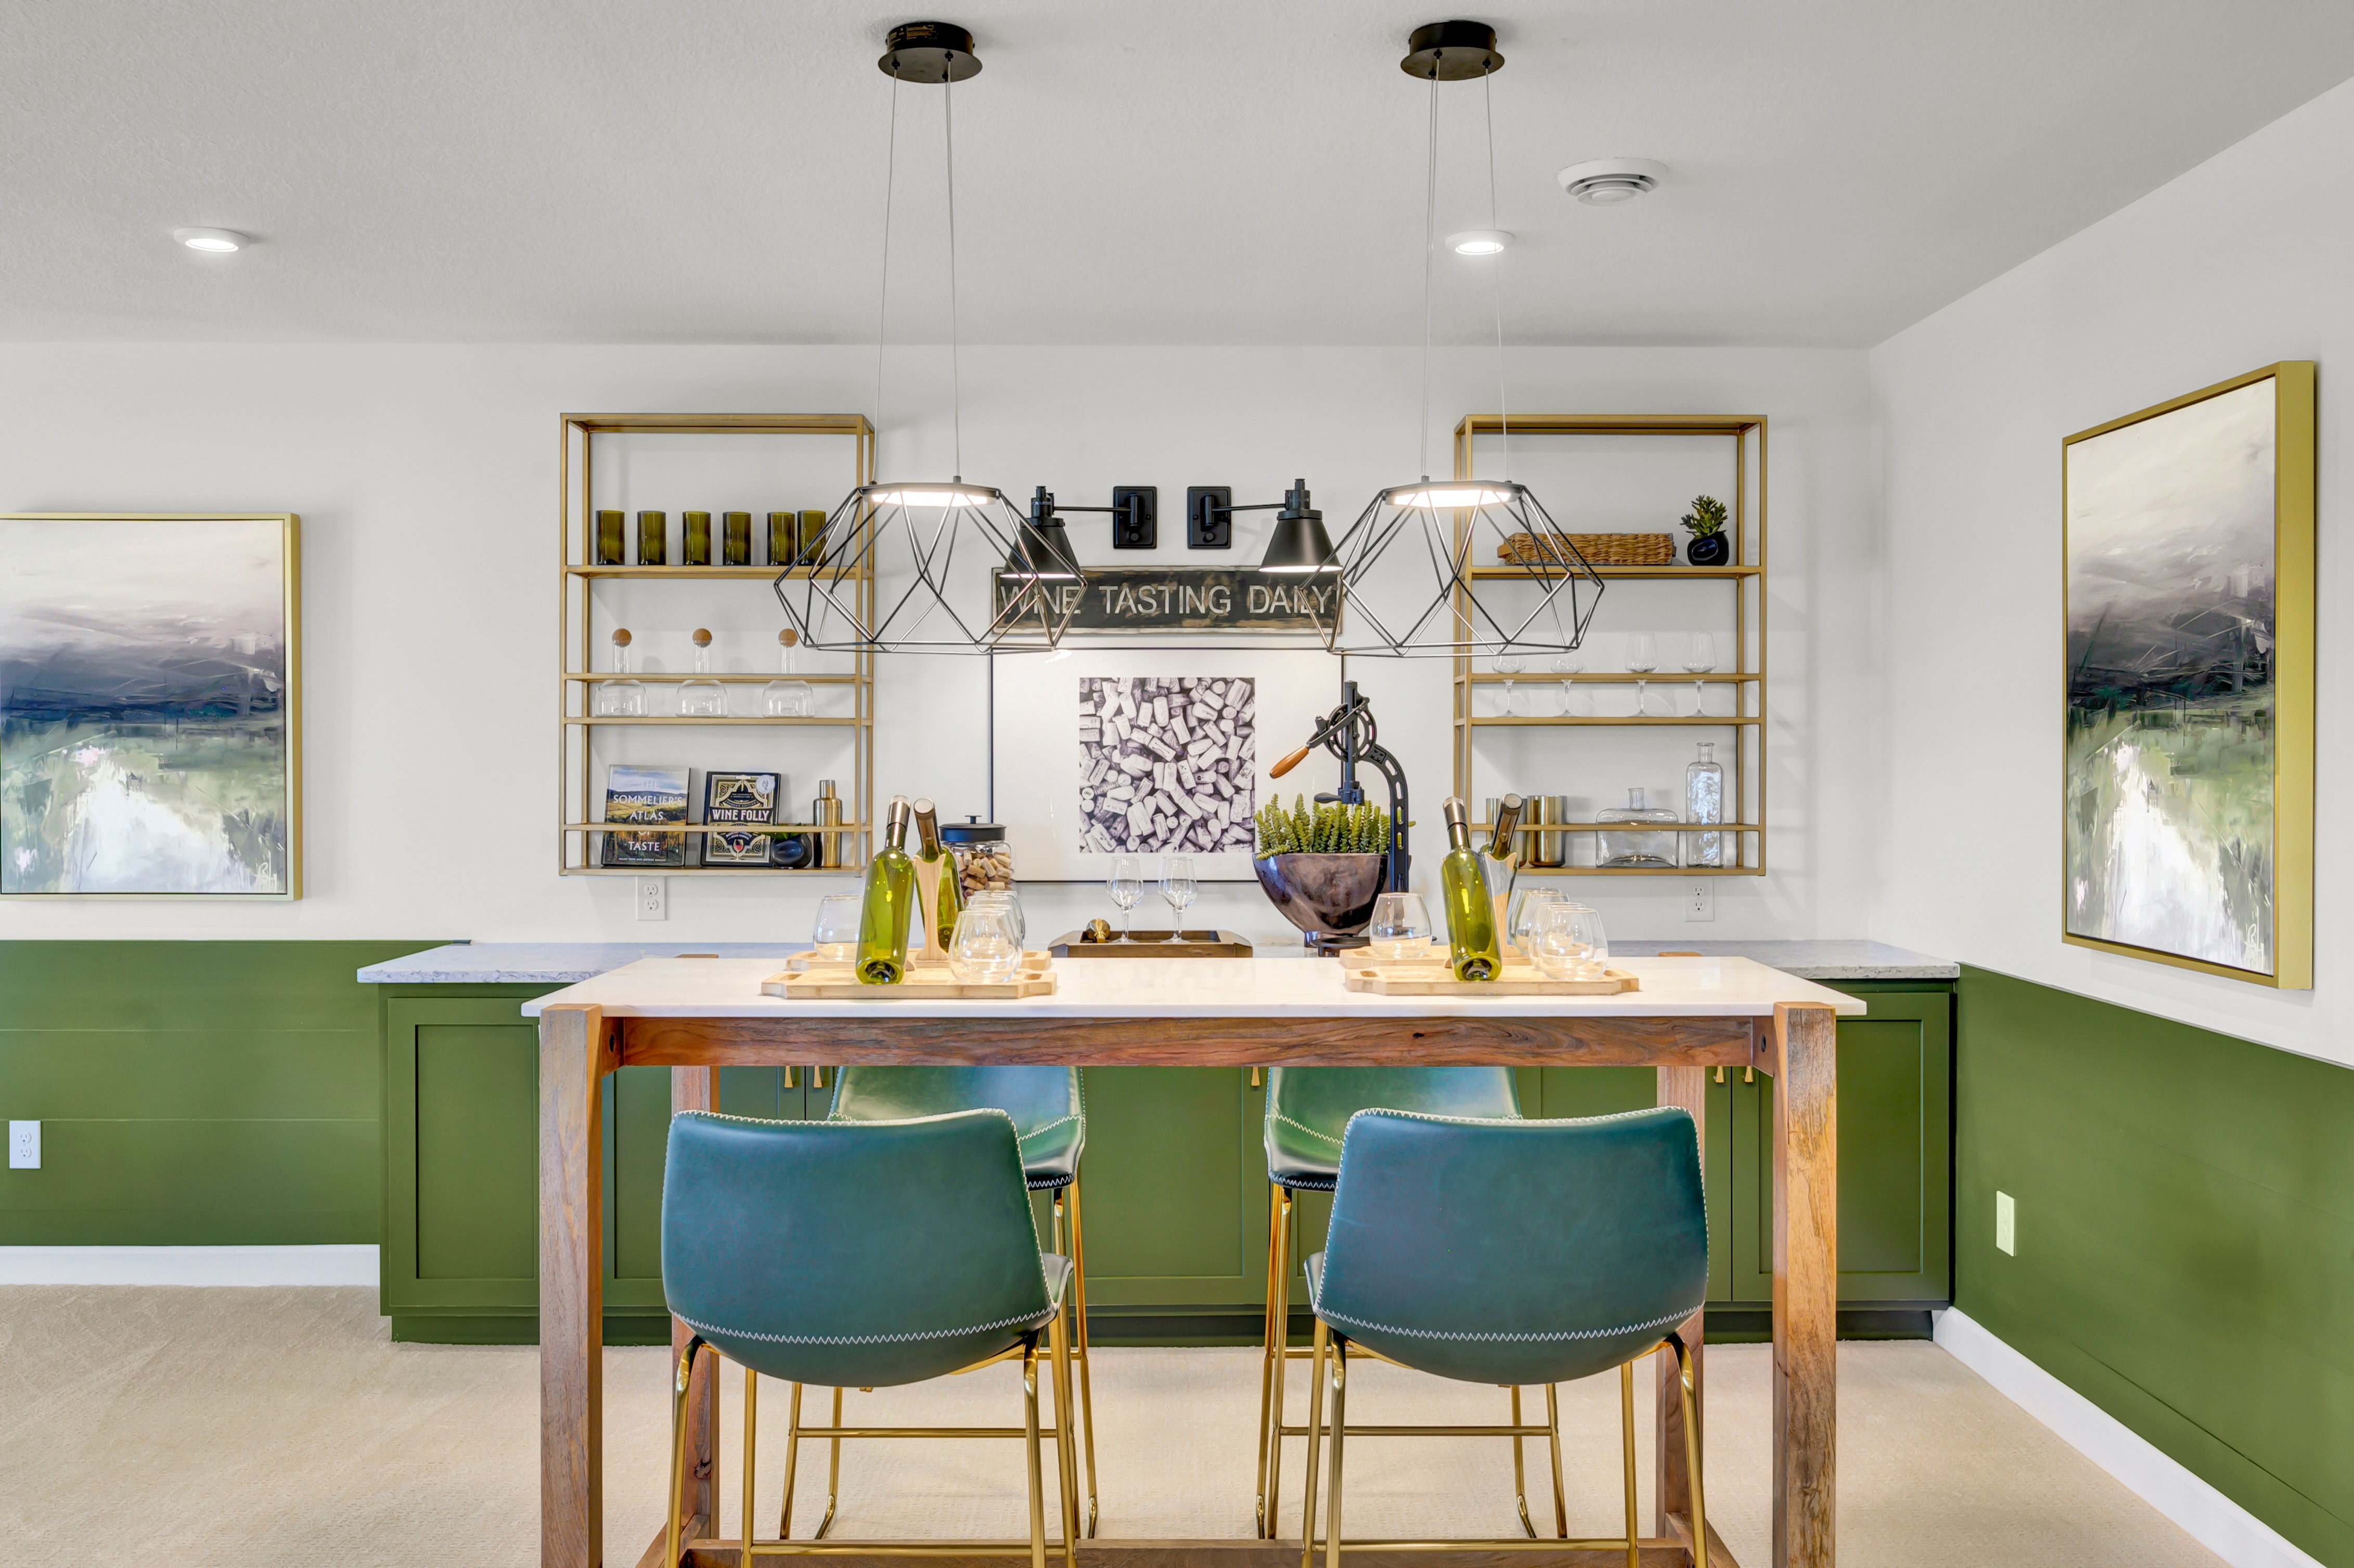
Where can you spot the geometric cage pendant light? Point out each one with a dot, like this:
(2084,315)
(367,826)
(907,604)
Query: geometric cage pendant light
(1407,563)
(956,567)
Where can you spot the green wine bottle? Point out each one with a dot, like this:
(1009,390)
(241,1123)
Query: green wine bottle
(1501,859)
(1471,943)
(928,850)
(890,901)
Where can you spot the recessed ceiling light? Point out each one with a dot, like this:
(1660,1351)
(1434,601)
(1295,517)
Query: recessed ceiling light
(1605,182)
(1479,242)
(214,241)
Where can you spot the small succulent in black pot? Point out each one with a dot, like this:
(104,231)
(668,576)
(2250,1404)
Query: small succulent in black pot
(1709,544)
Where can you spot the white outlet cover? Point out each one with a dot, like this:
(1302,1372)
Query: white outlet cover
(2006,1225)
(1700,899)
(652,898)
(24,1146)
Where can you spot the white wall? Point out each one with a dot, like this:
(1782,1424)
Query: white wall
(427,482)
(2241,262)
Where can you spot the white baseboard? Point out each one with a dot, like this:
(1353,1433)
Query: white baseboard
(187,1266)
(2214,1520)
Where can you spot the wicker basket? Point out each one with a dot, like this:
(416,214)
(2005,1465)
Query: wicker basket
(1599,549)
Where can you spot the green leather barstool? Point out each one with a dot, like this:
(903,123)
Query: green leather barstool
(867,1254)
(1049,1108)
(1308,1111)
(1515,1252)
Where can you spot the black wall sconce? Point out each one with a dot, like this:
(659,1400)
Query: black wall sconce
(1135,513)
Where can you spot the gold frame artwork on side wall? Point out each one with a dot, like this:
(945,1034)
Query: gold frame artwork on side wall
(2188,719)
(170,634)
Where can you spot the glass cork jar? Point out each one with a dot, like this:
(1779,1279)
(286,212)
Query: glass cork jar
(984,861)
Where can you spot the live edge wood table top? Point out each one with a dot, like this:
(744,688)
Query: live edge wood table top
(696,1015)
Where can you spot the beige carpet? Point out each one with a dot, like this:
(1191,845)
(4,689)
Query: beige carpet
(281,1426)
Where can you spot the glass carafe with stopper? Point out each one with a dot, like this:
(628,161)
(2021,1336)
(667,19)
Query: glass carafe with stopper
(787,698)
(888,904)
(702,697)
(1472,949)
(622,698)
(1647,849)
(1704,803)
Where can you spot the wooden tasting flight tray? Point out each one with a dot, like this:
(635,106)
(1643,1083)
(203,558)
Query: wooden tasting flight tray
(926,982)
(1412,979)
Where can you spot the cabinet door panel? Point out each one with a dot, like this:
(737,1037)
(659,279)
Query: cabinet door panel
(1170,1219)
(477,1162)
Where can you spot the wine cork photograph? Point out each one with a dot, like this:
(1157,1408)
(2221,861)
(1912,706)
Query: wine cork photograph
(1166,763)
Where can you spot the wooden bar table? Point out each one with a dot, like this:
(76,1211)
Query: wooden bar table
(696,1015)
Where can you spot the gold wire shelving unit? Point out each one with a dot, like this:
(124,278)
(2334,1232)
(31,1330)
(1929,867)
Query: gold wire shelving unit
(579,800)
(1743,730)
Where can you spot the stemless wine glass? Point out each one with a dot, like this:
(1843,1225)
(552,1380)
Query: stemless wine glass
(1509,665)
(1008,907)
(1127,887)
(1177,891)
(1528,917)
(1570,946)
(984,949)
(1642,658)
(836,935)
(1401,927)
(1699,658)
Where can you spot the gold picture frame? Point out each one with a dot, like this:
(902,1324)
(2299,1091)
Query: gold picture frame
(236,840)
(2142,673)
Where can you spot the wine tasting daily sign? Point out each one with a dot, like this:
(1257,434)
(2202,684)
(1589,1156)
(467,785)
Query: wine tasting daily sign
(1194,598)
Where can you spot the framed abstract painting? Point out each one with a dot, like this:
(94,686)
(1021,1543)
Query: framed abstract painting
(2187,788)
(150,706)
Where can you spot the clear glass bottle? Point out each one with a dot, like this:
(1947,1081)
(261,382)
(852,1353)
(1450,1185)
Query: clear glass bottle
(1704,803)
(1471,946)
(1650,850)
(702,697)
(889,902)
(928,850)
(619,699)
(786,697)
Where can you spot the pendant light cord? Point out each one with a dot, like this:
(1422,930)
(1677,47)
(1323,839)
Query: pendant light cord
(1429,245)
(1496,278)
(883,292)
(956,368)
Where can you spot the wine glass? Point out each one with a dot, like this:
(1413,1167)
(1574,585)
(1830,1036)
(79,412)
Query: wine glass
(1528,917)
(1699,658)
(984,949)
(1127,889)
(1568,662)
(1008,907)
(1642,658)
(1571,944)
(1509,665)
(1177,888)
(1401,927)
(836,935)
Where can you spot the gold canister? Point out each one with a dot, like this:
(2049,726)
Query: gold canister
(609,546)
(1546,849)
(694,538)
(735,538)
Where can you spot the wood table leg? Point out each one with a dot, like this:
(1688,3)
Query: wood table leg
(1688,1087)
(697,1088)
(577,1049)
(1806,1282)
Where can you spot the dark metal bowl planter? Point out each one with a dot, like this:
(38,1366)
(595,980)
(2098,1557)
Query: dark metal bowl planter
(1328,897)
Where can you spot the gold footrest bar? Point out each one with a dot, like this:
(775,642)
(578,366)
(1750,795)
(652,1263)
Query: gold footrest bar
(1357,1431)
(1653,1551)
(1516,1543)
(811,1434)
(891,1548)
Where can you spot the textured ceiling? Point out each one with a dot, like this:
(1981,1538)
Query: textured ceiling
(1224,171)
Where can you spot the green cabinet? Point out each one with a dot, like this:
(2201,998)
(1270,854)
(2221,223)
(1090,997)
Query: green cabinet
(1175,1180)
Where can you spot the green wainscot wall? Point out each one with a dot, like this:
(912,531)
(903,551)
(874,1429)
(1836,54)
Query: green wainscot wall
(2184,1255)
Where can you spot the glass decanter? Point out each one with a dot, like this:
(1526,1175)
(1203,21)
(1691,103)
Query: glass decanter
(702,697)
(1651,849)
(619,699)
(787,698)
(1704,803)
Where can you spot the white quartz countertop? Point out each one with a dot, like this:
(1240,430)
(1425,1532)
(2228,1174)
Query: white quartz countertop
(1812,959)
(1197,988)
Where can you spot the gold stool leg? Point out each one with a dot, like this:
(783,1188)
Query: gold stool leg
(751,1434)
(1279,1341)
(1519,1477)
(1340,1431)
(678,1445)
(832,1475)
(1315,1429)
(1030,1435)
(1626,1447)
(1066,1459)
(1269,1364)
(792,1457)
(1079,1347)
(1553,1436)
(1692,1450)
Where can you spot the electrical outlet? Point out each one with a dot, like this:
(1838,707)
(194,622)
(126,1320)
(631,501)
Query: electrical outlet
(1700,902)
(24,1146)
(1206,528)
(1140,531)
(653,898)
(2006,1225)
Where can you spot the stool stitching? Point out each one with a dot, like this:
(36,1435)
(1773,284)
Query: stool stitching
(1023,1320)
(1566,1334)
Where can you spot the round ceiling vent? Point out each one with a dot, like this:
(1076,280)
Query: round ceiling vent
(1605,182)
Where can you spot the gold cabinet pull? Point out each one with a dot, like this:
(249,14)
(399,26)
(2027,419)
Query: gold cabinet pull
(789,1078)
(1254,1083)
(817,1078)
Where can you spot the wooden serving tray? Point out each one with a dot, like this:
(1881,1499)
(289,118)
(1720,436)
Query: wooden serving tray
(1410,979)
(833,981)
(1198,944)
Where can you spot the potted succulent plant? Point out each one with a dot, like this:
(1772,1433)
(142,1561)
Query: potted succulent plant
(1324,866)
(1710,545)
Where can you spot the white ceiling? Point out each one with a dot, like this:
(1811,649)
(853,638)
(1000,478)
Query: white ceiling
(1222,171)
